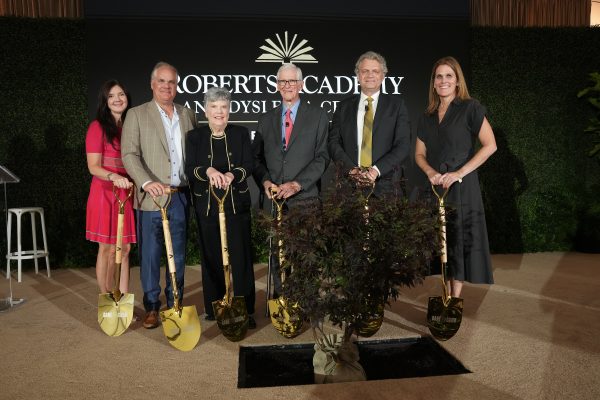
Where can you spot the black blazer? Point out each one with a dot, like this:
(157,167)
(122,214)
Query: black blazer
(198,160)
(391,136)
(306,157)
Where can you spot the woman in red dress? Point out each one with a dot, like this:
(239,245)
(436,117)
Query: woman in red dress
(103,148)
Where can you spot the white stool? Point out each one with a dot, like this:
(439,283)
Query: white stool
(21,254)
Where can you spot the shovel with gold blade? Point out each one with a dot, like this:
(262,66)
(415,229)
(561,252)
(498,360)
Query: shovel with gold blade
(286,316)
(115,310)
(444,313)
(371,320)
(230,312)
(181,325)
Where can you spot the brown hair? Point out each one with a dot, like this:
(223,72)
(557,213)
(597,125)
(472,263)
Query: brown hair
(461,85)
(110,127)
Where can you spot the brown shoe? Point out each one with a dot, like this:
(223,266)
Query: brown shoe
(151,320)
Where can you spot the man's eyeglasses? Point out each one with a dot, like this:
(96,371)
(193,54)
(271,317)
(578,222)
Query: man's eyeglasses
(291,82)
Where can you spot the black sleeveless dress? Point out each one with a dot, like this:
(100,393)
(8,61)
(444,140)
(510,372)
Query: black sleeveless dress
(450,144)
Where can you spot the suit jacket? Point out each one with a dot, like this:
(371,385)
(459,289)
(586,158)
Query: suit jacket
(391,137)
(306,157)
(198,160)
(144,147)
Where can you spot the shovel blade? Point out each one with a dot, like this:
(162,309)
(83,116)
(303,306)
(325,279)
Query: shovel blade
(232,319)
(444,320)
(371,322)
(182,329)
(115,317)
(285,317)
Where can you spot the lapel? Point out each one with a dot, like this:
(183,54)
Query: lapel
(184,121)
(276,125)
(382,107)
(184,125)
(352,116)
(156,120)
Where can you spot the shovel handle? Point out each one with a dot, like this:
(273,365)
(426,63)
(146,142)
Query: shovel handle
(224,247)
(119,242)
(444,255)
(442,216)
(278,205)
(225,255)
(223,233)
(120,223)
(169,248)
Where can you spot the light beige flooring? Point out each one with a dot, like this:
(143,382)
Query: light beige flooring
(532,335)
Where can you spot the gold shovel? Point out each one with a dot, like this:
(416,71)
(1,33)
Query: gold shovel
(115,310)
(371,320)
(230,312)
(180,324)
(444,313)
(286,316)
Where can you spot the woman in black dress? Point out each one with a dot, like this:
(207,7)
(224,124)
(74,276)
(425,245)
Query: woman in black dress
(446,152)
(220,155)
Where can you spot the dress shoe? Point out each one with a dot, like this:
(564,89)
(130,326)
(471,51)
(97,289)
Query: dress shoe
(251,323)
(151,320)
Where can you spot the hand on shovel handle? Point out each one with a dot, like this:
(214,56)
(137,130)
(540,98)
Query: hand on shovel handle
(115,310)
(181,325)
(444,313)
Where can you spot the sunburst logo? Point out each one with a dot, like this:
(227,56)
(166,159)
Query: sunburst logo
(285,51)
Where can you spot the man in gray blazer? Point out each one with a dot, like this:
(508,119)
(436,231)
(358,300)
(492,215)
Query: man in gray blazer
(152,147)
(372,123)
(290,145)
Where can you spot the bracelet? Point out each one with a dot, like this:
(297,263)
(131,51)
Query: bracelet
(108,176)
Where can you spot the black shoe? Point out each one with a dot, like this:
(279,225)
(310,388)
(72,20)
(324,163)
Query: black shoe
(209,317)
(251,323)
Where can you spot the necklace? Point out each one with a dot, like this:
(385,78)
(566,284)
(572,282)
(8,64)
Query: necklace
(217,134)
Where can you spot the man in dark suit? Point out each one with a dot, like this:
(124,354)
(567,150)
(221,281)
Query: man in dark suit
(290,145)
(371,130)
(153,145)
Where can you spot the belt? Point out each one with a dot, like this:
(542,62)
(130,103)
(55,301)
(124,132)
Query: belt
(175,189)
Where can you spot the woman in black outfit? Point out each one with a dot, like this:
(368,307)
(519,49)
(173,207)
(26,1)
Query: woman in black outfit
(220,155)
(446,152)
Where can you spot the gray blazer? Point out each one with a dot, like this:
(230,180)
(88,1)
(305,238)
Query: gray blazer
(306,157)
(144,147)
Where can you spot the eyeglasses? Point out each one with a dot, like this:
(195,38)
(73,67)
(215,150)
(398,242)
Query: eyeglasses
(291,82)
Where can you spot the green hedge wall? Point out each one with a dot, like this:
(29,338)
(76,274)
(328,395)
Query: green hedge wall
(42,135)
(43,128)
(538,188)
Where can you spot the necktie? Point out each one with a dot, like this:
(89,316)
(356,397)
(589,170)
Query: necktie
(289,124)
(366,148)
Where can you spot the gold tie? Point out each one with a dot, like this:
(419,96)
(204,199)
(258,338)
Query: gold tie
(366,149)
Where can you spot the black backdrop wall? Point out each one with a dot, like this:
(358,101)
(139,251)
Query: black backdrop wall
(539,188)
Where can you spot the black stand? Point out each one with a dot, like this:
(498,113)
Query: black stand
(8,177)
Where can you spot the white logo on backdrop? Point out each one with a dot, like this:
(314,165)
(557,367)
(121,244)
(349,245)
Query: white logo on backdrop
(282,49)
(285,51)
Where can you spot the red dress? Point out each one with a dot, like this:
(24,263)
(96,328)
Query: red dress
(102,206)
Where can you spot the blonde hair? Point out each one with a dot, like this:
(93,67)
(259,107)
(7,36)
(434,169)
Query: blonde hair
(461,85)
(371,55)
